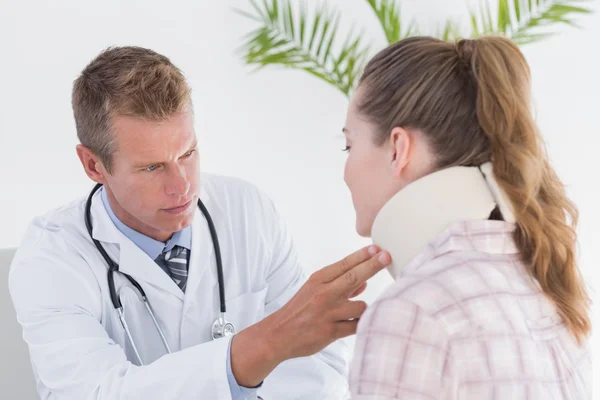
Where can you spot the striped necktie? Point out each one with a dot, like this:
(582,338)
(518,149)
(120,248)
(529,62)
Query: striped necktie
(175,263)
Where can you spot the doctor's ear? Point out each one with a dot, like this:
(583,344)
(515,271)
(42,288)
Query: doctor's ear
(401,141)
(91,163)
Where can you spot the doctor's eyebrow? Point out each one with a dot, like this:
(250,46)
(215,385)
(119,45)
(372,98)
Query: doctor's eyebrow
(345,130)
(193,147)
(149,164)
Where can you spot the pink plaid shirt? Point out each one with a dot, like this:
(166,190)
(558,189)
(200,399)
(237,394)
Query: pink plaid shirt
(466,321)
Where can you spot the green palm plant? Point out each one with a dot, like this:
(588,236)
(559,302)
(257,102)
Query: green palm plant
(289,36)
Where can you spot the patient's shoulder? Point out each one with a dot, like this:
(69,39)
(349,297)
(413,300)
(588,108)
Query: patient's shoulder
(447,287)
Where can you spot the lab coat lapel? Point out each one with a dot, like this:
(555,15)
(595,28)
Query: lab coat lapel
(132,260)
(137,264)
(202,288)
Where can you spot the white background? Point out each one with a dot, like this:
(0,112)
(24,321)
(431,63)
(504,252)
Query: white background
(279,129)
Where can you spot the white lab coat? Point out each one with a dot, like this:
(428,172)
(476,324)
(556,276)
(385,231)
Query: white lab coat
(79,350)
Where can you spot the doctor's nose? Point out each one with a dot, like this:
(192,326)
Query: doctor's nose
(177,183)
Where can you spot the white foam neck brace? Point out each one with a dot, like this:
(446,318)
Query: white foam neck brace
(427,206)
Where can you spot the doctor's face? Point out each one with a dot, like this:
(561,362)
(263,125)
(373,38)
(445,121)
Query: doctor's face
(154,183)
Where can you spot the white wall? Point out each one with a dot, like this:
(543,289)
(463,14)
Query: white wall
(277,128)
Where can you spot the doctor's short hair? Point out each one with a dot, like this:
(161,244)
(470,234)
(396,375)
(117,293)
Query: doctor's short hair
(128,80)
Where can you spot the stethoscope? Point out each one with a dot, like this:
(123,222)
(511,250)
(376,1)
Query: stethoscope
(220,327)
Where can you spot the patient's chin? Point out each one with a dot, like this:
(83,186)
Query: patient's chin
(363,229)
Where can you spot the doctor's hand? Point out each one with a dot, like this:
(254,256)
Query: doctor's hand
(320,313)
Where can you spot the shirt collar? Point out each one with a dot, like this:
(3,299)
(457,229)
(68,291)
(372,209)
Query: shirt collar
(153,248)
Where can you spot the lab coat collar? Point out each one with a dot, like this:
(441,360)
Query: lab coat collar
(104,229)
(152,247)
(203,267)
(413,217)
(133,260)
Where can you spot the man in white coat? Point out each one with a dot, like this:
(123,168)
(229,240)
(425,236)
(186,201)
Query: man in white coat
(134,119)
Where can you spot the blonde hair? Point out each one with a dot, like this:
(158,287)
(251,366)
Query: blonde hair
(128,80)
(471,100)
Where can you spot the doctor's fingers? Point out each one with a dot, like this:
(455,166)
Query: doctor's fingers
(349,310)
(339,268)
(358,291)
(345,328)
(352,279)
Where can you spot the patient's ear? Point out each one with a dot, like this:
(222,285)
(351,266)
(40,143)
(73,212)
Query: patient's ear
(401,142)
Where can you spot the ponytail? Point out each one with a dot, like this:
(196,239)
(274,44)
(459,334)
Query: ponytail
(471,100)
(546,218)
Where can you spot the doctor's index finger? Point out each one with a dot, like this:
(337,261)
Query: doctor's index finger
(355,277)
(335,270)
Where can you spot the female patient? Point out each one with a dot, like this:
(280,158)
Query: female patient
(448,173)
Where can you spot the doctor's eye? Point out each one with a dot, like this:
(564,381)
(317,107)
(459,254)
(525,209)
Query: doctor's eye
(189,153)
(346,149)
(151,168)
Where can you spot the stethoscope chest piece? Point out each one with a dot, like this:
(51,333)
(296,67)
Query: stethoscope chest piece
(222,328)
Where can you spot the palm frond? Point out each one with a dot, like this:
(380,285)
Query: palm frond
(546,14)
(450,31)
(291,38)
(388,13)
(524,21)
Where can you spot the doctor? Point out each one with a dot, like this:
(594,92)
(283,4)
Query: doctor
(126,293)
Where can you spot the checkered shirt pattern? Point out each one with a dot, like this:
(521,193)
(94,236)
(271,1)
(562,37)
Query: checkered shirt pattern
(466,321)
